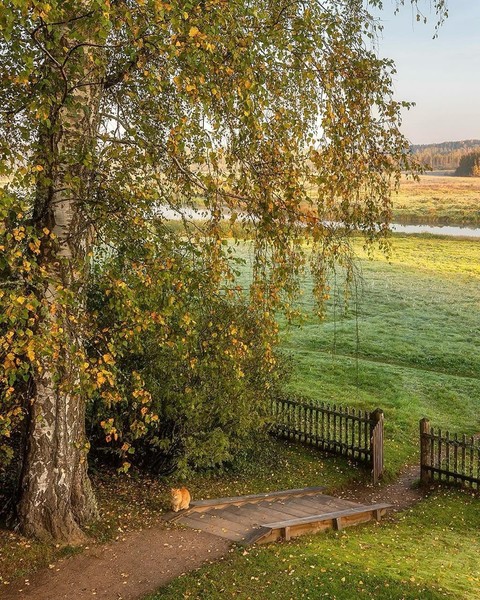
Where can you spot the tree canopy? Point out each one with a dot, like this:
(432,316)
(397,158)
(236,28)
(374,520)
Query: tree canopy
(276,115)
(469,165)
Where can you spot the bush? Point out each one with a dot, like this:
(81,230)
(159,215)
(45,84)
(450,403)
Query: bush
(191,384)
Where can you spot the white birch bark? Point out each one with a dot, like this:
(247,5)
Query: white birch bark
(56,495)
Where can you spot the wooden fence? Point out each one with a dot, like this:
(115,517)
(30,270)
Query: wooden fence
(341,430)
(448,458)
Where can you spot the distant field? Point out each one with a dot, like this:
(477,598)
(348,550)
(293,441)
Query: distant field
(438,200)
(434,200)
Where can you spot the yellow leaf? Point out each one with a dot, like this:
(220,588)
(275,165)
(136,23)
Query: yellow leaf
(108,358)
(21,299)
(194,31)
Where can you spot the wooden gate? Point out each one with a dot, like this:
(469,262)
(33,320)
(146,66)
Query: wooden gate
(338,429)
(376,444)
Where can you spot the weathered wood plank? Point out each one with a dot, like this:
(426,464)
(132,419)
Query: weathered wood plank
(264,512)
(338,520)
(236,514)
(316,503)
(330,515)
(254,535)
(294,509)
(229,524)
(214,528)
(204,519)
(256,497)
(247,510)
(272,535)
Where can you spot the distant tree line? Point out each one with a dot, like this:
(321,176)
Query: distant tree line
(444,156)
(469,165)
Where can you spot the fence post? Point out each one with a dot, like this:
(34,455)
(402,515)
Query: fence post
(425,454)
(376,443)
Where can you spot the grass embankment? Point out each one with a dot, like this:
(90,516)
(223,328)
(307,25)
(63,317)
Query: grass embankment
(438,200)
(427,553)
(407,343)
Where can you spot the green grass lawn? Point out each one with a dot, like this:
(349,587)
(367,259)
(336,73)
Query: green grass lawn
(426,553)
(407,342)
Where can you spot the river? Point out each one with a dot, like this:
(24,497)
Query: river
(468,232)
(447,230)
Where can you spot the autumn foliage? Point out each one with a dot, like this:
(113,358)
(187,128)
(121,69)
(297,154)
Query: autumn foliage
(188,370)
(279,115)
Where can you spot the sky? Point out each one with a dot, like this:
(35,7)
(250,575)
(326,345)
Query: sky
(442,75)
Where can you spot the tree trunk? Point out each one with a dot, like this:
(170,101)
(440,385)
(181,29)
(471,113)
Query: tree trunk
(57,499)
(56,496)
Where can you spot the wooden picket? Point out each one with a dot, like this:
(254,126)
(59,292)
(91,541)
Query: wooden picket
(333,428)
(448,458)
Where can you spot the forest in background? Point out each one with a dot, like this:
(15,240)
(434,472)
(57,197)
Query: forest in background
(445,156)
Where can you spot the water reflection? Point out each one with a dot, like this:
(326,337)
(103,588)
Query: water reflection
(470,232)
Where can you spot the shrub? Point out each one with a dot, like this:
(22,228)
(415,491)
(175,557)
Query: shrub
(192,385)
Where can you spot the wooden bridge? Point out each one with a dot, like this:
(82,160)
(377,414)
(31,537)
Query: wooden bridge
(263,518)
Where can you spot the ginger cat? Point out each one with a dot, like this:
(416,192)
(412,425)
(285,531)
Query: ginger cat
(180,499)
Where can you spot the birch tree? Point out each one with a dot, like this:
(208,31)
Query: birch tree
(112,111)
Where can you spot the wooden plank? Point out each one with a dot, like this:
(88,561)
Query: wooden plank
(246,510)
(263,513)
(292,508)
(253,536)
(256,497)
(275,531)
(258,514)
(272,535)
(224,523)
(321,499)
(321,504)
(311,506)
(236,514)
(202,505)
(329,515)
(213,528)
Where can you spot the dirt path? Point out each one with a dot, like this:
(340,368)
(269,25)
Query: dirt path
(127,569)
(145,560)
(400,493)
